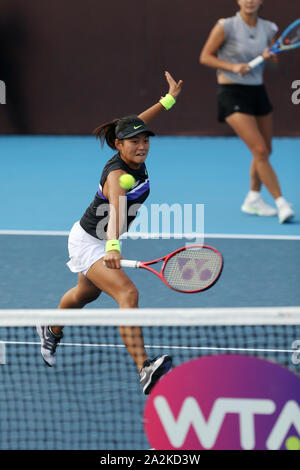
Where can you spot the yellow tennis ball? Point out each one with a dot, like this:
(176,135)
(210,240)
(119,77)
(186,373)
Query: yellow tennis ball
(292,443)
(126,181)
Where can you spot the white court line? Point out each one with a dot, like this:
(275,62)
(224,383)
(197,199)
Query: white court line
(143,235)
(196,348)
(34,232)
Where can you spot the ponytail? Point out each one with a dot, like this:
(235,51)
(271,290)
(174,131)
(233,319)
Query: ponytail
(107,133)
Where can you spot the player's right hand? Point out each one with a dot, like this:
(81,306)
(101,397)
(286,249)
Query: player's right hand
(112,259)
(241,69)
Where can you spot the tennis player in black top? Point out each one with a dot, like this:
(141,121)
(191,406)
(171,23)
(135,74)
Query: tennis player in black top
(94,240)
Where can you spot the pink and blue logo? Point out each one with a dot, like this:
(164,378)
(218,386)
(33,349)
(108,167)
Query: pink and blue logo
(225,402)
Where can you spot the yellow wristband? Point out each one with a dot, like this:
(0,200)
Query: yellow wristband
(112,245)
(167,101)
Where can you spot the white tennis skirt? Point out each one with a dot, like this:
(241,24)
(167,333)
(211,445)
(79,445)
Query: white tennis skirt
(84,250)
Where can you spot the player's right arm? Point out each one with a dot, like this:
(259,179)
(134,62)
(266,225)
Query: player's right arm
(209,57)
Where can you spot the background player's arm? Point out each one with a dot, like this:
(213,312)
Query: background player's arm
(271,58)
(209,57)
(155,110)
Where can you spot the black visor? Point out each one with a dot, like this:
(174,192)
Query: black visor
(131,129)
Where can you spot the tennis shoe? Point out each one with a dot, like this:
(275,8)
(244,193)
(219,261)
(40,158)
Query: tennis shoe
(285,213)
(153,370)
(258,207)
(49,342)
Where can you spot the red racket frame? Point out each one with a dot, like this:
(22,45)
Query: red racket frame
(145,265)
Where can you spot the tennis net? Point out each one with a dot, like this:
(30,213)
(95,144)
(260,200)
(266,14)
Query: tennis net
(92,398)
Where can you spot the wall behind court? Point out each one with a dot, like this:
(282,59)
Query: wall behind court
(70,65)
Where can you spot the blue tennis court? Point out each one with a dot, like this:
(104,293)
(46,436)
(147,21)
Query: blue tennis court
(69,76)
(57,178)
(46,184)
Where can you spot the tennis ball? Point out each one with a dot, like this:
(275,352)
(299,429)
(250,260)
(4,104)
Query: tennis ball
(126,181)
(292,443)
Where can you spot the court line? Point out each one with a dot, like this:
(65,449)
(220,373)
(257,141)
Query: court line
(145,236)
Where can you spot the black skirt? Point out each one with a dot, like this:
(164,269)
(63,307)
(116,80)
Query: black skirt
(247,99)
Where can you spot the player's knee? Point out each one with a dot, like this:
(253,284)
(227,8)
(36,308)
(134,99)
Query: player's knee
(129,297)
(261,152)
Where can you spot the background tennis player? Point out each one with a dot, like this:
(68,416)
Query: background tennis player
(242,98)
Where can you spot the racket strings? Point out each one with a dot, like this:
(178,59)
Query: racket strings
(293,36)
(192,269)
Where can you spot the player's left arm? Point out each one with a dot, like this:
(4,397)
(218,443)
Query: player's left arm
(174,90)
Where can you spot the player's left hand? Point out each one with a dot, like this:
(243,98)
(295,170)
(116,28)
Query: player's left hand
(174,87)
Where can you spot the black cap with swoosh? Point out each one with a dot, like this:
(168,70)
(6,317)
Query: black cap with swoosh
(131,126)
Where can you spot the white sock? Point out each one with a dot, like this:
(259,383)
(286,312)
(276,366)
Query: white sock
(253,195)
(280,201)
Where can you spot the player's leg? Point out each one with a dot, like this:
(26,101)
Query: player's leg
(256,135)
(117,284)
(80,295)
(264,124)
(246,127)
(77,297)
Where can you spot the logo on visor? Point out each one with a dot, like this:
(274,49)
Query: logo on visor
(137,127)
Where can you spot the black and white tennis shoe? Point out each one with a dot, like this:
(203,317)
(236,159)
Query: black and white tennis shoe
(153,370)
(49,342)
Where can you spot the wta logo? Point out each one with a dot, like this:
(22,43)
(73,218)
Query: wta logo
(225,402)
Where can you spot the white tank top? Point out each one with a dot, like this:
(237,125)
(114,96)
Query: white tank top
(242,44)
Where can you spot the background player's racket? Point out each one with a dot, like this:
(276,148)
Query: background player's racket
(290,39)
(190,269)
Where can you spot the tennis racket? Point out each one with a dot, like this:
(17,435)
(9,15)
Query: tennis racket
(189,269)
(290,39)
